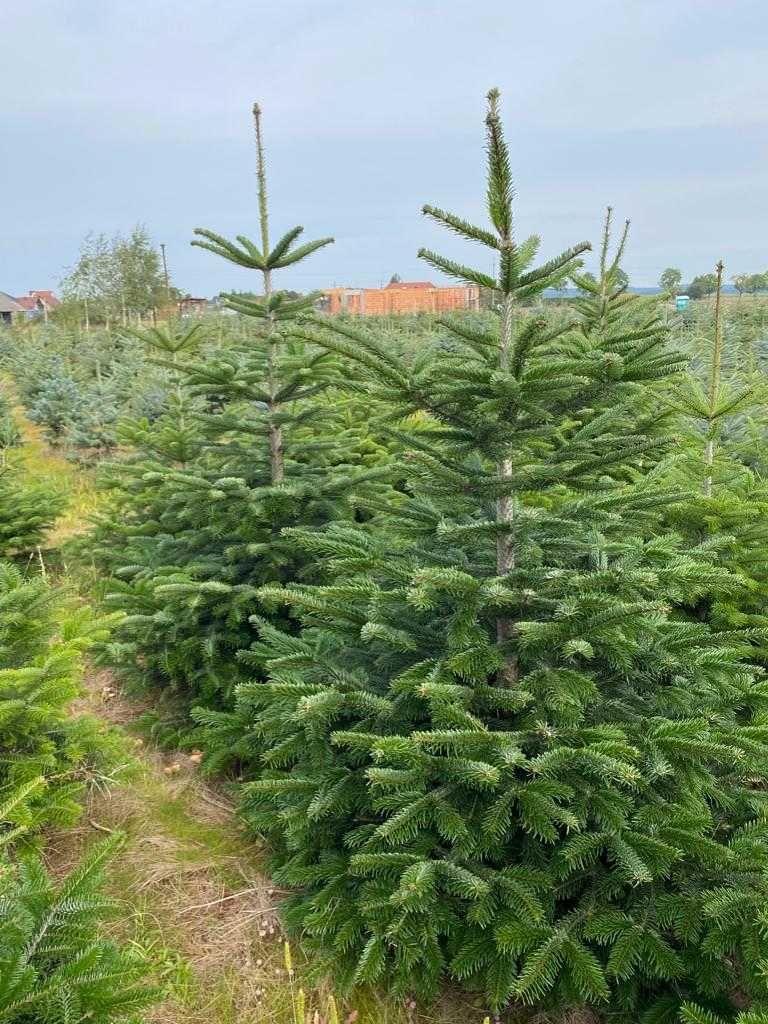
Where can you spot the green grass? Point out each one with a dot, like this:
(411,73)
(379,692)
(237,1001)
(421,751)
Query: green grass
(43,464)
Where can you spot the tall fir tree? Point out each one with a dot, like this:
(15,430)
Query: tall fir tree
(255,439)
(495,753)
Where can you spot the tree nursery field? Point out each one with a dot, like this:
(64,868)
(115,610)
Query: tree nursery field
(388,669)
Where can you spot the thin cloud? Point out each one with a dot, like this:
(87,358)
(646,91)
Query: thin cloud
(133,111)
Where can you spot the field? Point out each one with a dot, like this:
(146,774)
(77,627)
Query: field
(392,670)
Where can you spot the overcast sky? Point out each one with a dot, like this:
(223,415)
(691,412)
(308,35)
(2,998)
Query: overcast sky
(115,112)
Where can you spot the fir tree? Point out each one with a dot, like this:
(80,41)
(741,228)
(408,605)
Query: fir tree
(255,439)
(10,435)
(494,753)
(55,405)
(27,511)
(718,408)
(43,747)
(55,963)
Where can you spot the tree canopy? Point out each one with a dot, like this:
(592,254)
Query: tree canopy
(116,279)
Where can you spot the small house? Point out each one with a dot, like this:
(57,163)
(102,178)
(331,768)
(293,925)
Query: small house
(38,303)
(9,308)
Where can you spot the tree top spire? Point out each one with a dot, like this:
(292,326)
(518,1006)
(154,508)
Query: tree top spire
(493,103)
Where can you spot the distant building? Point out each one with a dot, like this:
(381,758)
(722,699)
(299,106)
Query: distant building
(38,303)
(9,308)
(401,297)
(192,307)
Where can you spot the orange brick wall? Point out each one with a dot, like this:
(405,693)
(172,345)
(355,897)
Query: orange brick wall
(419,298)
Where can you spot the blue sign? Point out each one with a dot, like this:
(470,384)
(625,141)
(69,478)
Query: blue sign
(681,302)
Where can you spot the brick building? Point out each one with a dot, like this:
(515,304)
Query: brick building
(401,297)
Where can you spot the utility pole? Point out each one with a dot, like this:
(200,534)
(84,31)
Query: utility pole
(165,275)
(714,385)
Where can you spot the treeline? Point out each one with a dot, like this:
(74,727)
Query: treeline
(702,285)
(475,625)
(119,280)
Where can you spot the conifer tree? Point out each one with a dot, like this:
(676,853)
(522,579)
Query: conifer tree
(43,747)
(55,963)
(27,510)
(718,461)
(255,439)
(10,435)
(494,753)
(272,311)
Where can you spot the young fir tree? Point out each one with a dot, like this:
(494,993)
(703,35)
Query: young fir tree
(27,511)
(44,749)
(495,754)
(10,435)
(719,460)
(255,441)
(56,964)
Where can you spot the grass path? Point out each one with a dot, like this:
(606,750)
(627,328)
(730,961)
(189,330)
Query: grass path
(195,899)
(189,881)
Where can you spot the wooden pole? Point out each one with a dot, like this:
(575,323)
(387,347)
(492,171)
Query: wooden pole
(714,384)
(165,277)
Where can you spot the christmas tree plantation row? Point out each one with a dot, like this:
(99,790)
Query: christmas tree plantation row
(55,963)
(79,386)
(479,625)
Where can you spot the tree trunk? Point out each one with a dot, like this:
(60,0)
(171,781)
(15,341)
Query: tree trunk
(505,513)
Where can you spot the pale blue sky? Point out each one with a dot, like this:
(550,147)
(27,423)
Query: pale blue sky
(119,111)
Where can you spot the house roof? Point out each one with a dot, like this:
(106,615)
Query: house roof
(27,302)
(8,304)
(45,296)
